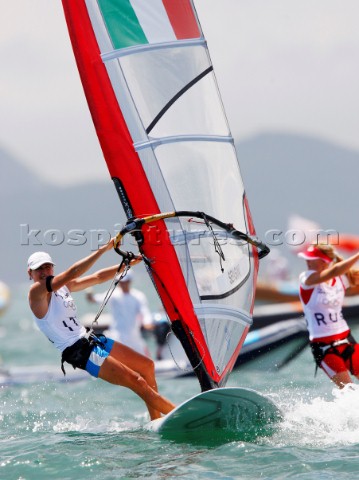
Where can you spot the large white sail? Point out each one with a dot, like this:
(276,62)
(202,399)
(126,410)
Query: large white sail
(152,92)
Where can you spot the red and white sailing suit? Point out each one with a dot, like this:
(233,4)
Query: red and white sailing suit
(322,305)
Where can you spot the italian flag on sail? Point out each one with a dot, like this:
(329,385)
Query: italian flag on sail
(138,22)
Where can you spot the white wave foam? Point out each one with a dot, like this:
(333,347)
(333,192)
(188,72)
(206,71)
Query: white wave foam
(319,422)
(84,425)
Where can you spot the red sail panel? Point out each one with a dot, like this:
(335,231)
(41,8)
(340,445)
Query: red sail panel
(252,232)
(183,21)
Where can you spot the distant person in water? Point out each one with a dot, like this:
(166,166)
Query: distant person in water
(322,289)
(54,311)
(130,314)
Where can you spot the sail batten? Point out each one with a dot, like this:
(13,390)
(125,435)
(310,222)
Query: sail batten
(154,100)
(114,54)
(152,143)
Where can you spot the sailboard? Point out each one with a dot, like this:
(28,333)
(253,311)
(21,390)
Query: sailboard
(153,95)
(220,415)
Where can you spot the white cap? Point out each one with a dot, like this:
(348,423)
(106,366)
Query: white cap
(128,277)
(37,259)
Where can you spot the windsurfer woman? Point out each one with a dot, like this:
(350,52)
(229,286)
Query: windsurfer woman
(54,312)
(322,290)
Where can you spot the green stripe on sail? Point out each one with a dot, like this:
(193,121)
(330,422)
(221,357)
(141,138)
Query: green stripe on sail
(122,23)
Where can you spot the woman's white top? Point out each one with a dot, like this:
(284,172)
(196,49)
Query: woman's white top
(60,324)
(322,304)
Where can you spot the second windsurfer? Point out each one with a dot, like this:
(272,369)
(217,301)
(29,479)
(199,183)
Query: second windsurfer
(322,290)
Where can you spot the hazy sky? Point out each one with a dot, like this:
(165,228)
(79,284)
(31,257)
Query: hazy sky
(282,65)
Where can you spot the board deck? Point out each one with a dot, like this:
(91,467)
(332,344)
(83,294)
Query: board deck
(219,416)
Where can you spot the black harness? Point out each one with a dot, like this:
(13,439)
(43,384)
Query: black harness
(320,350)
(78,354)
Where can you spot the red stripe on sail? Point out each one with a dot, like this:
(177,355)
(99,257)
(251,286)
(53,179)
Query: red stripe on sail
(252,231)
(124,163)
(182,18)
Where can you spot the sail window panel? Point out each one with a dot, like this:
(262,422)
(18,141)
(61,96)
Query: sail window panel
(199,111)
(156,78)
(204,176)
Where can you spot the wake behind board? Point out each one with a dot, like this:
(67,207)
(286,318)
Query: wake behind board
(219,416)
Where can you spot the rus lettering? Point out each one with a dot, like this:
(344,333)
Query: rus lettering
(320,318)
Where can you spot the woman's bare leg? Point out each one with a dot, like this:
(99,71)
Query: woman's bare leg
(135,361)
(341,379)
(139,363)
(117,373)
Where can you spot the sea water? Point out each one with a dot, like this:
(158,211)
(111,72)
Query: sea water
(93,430)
